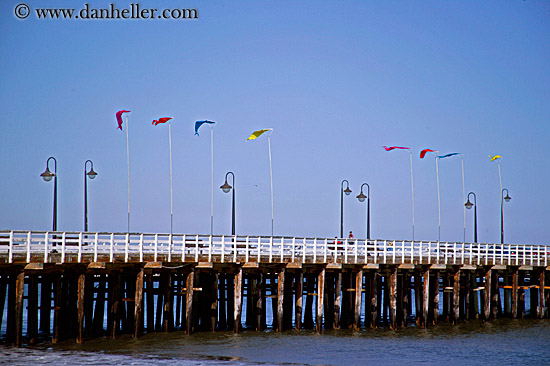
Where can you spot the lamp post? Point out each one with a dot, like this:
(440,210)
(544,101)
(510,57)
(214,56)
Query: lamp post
(469,205)
(361,197)
(90,174)
(226,188)
(502,199)
(47,176)
(347,191)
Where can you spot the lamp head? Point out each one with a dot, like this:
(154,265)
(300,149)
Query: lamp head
(361,197)
(47,175)
(468,204)
(507,198)
(226,187)
(347,191)
(91,174)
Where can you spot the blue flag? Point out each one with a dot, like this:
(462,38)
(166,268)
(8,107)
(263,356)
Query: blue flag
(198,124)
(448,155)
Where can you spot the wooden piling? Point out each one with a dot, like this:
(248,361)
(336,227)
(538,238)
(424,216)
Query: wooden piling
(238,299)
(456,297)
(260,300)
(3,288)
(308,312)
(56,336)
(487,295)
(280,299)
(189,302)
(393,298)
(168,308)
(542,303)
(150,298)
(32,309)
(514,294)
(404,298)
(214,302)
(358,298)
(337,299)
(425,298)
(138,305)
(374,302)
(496,309)
(19,288)
(222,321)
(435,295)
(320,299)
(80,305)
(299,280)
(113,316)
(418,297)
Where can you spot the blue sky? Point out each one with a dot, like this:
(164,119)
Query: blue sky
(335,80)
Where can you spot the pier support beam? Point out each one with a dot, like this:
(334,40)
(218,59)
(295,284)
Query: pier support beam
(19,288)
(542,303)
(320,299)
(238,300)
(280,300)
(393,298)
(32,310)
(337,299)
(138,311)
(456,297)
(487,295)
(299,278)
(374,302)
(425,298)
(515,293)
(435,295)
(81,306)
(358,298)
(189,324)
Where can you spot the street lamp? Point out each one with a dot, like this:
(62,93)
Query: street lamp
(226,188)
(347,191)
(47,176)
(91,174)
(469,206)
(361,197)
(502,199)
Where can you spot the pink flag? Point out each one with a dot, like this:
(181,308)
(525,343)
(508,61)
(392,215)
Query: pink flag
(161,120)
(119,118)
(423,152)
(395,147)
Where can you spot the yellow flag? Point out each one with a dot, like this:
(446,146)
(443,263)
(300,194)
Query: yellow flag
(493,158)
(258,133)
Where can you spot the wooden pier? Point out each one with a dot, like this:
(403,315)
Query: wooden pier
(77,285)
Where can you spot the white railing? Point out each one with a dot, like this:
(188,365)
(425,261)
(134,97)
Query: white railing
(85,247)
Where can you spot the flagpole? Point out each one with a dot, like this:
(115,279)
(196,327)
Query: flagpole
(412,191)
(128,161)
(499,178)
(271,178)
(463,199)
(171,191)
(212,176)
(438,199)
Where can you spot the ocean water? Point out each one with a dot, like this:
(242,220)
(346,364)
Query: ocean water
(499,342)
